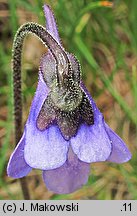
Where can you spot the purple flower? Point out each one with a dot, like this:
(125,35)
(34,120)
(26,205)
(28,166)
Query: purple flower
(65,130)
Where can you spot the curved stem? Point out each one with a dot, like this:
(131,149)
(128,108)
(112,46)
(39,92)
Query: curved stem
(62,63)
(59,55)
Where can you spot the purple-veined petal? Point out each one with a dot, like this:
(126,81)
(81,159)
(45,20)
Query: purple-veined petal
(45,149)
(17,167)
(91,143)
(51,25)
(61,55)
(69,177)
(120,152)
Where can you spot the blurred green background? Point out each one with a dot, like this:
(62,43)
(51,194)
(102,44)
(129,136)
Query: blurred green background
(105,41)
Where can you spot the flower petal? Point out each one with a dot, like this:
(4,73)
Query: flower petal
(51,25)
(69,177)
(91,143)
(120,152)
(17,167)
(45,149)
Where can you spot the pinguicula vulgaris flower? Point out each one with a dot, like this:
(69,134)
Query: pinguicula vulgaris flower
(65,130)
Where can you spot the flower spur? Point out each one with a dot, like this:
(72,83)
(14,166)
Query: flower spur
(65,130)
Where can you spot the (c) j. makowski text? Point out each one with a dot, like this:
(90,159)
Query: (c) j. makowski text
(38,207)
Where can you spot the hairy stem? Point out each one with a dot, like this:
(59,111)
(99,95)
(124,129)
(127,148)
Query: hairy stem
(60,57)
(62,64)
